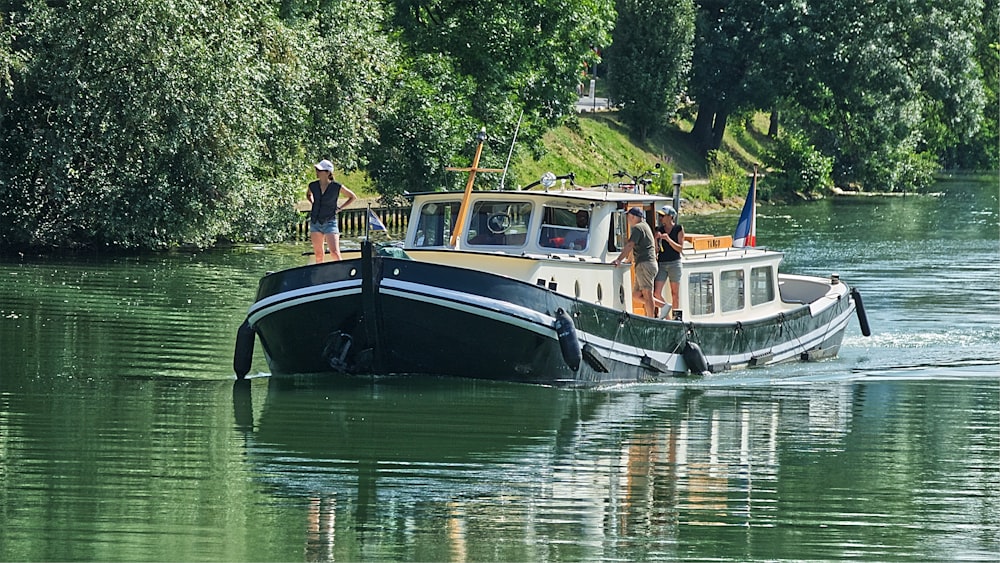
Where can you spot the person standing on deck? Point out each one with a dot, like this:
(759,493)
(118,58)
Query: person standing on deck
(641,245)
(324,195)
(670,246)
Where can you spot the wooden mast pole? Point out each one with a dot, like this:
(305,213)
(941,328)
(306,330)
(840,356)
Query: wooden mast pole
(463,210)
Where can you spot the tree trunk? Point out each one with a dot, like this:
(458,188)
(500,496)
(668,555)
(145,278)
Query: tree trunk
(702,130)
(719,128)
(772,128)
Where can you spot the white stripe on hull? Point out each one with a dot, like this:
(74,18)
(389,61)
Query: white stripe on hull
(297,297)
(540,323)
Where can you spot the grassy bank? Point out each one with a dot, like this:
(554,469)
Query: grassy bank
(596,145)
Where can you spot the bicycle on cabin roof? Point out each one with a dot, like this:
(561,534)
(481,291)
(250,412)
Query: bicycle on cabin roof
(636,183)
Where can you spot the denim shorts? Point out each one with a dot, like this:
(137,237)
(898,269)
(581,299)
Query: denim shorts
(328,228)
(671,270)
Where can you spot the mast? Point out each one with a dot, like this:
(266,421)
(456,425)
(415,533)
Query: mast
(463,210)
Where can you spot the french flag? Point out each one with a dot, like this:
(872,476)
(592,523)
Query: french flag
(746,228)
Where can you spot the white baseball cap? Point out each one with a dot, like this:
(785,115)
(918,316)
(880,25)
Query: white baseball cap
(667,210)
(324,165)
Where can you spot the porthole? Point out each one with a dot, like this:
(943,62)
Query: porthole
(354,272)
(576,289)
(621,294)
(395,272)
(600,293)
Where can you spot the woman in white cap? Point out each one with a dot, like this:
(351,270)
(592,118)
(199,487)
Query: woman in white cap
(670,246)
(324,195)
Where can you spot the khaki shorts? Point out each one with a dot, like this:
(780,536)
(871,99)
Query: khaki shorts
(645,273)
(669,270)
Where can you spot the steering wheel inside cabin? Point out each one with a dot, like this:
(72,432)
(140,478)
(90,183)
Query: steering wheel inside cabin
(498,223)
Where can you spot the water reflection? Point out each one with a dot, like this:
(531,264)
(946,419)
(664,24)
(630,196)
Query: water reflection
(454,469)
(124,438)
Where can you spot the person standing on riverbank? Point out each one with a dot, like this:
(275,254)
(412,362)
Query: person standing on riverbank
(640,246)
(324,195)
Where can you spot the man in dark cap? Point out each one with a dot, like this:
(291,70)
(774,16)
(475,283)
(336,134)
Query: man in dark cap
(641,246)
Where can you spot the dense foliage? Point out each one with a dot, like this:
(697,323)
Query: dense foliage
(890,91)
(146,124)
(649,59)
(469,65)
(138,123)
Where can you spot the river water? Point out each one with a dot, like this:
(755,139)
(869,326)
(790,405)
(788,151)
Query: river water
(124,438)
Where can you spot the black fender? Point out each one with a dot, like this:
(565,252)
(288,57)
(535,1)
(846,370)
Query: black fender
(569,343)
(695,358)
(859,308)
(243,354)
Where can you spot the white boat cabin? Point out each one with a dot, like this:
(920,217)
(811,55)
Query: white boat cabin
(566,241)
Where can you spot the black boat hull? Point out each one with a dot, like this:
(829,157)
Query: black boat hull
(387,315)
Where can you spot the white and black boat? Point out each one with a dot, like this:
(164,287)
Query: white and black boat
(520,286)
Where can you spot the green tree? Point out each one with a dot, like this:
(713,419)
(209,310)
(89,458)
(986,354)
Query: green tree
(128,126)
(468,67)
(885,79)
(139,123)
(351,61)
(648,60)
(943,43)
(737,62)
(888,90)
(981,150)
(421,129)
(10,61)
(798,168)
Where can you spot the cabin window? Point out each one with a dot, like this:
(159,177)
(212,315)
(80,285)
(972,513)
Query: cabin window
(732,295)
(566,228)
(499,223)
(701,293)
(619,231)
(761,285)
(435,223)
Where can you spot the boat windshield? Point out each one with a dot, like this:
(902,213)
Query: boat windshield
(566,228)
(436,220)
(499,223)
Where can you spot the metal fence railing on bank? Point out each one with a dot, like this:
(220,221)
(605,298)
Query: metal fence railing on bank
(352,221)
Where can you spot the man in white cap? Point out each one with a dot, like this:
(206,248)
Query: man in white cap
(324,195)
(670,246)
(641,245)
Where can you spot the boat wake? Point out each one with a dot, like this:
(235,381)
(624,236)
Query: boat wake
(833,372)
(951,370)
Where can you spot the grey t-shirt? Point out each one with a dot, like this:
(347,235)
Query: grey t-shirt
(642,237)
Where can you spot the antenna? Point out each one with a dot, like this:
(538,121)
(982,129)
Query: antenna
(511,153)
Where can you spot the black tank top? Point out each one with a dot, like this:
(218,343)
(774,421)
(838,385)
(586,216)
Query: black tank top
(324,203)
(666,252)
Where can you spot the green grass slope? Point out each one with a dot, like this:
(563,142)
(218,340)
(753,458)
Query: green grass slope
(596,145)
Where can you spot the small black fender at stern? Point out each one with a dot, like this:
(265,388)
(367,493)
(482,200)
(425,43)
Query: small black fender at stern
(243,355)
(859,308)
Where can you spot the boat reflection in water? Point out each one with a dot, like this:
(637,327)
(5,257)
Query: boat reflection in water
(466,464)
